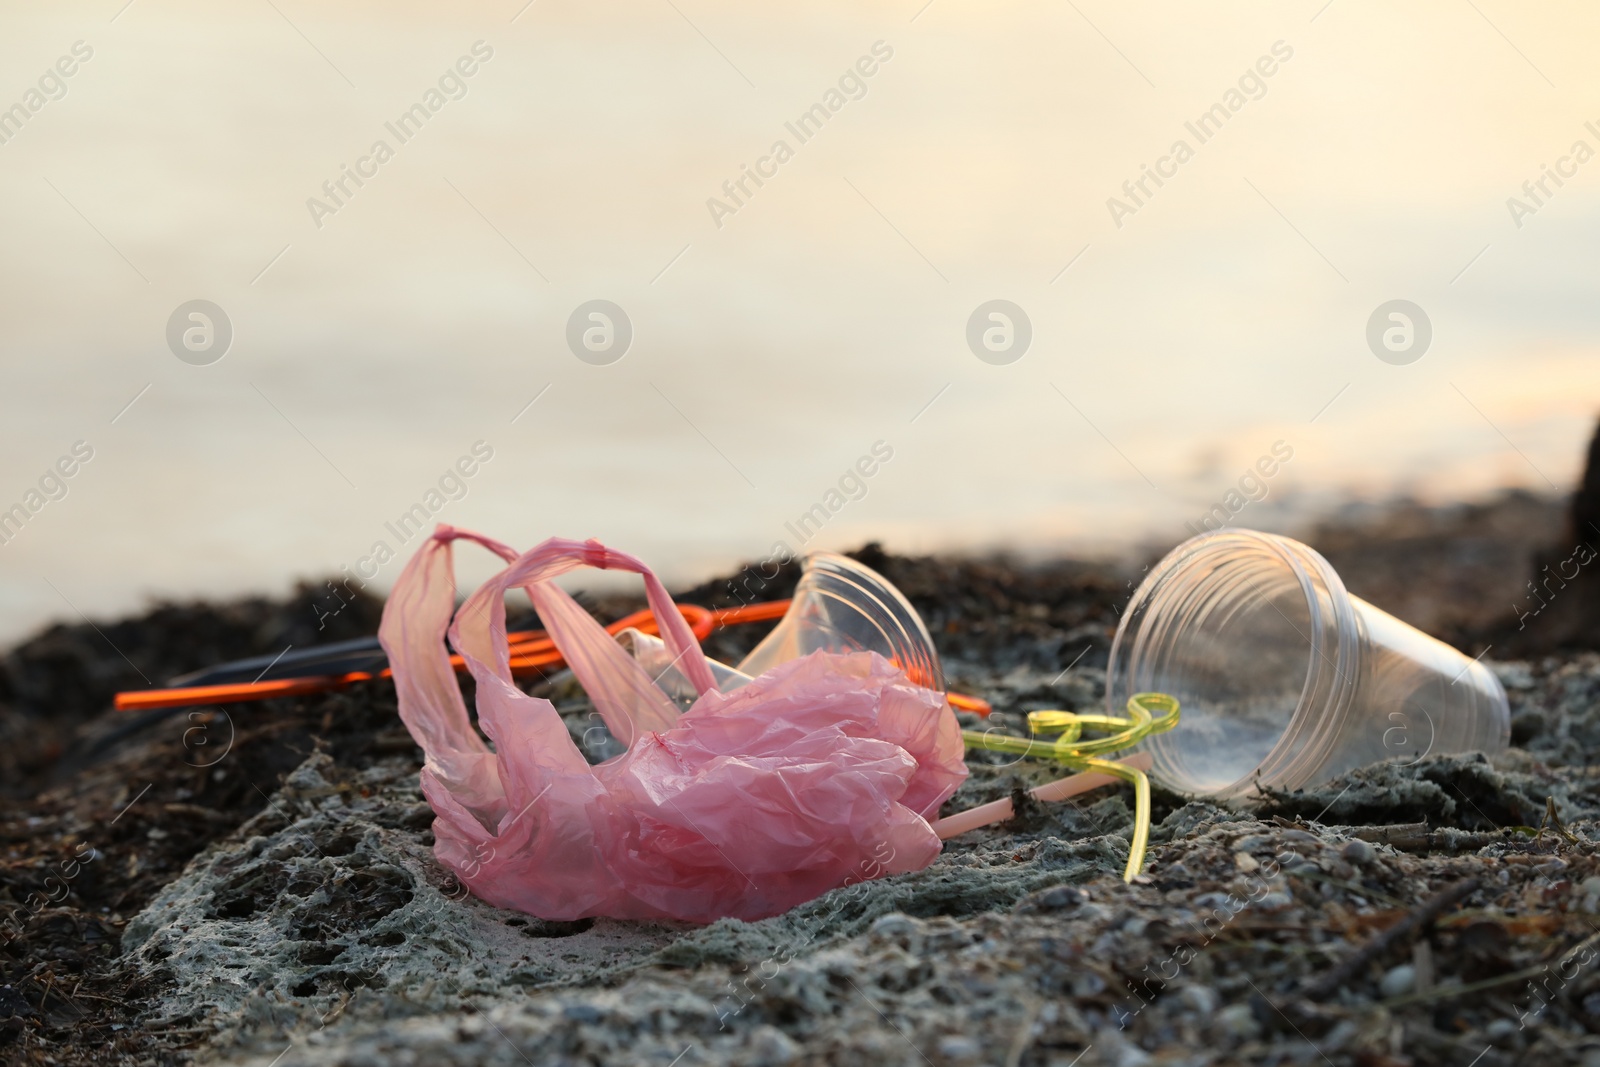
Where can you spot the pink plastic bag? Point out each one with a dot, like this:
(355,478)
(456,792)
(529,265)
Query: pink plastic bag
(822,771)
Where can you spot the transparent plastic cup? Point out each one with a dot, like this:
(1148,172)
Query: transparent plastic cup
(844,606)
(1285,679)
(839,605)
(661,665)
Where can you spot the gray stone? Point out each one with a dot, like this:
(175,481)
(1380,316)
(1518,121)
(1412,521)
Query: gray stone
(1398,981)
(1358,852)
(894,926)
(1201,999)
(1238,1021)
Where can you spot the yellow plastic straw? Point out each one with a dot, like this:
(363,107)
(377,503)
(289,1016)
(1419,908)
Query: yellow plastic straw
(1148,713)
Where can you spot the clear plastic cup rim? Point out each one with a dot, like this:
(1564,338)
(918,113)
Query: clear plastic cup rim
(1332,667)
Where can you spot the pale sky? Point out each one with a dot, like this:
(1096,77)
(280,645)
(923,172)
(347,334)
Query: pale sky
(373,345)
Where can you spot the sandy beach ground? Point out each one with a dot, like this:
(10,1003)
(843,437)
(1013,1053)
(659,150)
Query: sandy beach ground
(258,887)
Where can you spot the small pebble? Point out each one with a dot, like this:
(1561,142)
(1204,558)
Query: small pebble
(1358,852)
(1201,999)
(1118,1051)
(1275,900)
(1341,1035)
(1237,1020)
(1056,898)
(1246,862)
(958,1048)
(771,1047)
(1399,982)
(1087,984)
(1500,1029)
(894,925)
(1131,1055)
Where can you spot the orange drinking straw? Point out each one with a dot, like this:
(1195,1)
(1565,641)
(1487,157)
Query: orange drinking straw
(530,651)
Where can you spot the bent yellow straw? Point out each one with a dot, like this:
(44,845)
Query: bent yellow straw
(1148,713)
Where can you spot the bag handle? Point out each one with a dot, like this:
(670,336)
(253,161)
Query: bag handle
(412,634)
(624,694)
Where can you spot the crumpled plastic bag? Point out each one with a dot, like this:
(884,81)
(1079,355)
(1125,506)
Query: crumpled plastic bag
(823,771)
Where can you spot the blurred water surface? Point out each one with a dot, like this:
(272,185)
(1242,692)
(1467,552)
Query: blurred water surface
(934,158)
